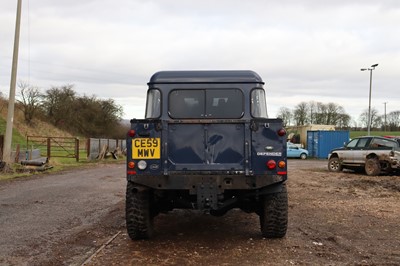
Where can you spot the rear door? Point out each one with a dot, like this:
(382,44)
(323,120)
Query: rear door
(198,147)
(361,150)
(206,131)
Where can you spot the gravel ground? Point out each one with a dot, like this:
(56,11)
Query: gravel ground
(334,219)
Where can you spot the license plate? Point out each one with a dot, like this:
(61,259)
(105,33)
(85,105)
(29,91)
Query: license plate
(146,148)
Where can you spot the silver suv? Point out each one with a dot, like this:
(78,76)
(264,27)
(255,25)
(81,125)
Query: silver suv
(373,154)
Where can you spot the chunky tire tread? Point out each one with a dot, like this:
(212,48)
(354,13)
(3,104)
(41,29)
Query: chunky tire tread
(372,167)
(139,221)
(334,165)
(274,214)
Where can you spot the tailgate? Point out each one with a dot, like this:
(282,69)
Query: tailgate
(206,147)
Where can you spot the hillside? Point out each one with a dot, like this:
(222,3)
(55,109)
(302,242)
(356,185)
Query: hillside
(21,130)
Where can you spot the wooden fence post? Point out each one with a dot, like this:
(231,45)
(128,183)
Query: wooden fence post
(1,146)
(77,149)
(48,148)
(88,148)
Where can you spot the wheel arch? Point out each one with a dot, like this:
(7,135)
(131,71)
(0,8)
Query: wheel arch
(333,155)
(371,156)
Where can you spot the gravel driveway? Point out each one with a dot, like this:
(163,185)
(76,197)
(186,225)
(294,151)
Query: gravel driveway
(66,218)
(43,217)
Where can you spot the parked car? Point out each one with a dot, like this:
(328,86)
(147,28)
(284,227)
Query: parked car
(375,155)
(294,151)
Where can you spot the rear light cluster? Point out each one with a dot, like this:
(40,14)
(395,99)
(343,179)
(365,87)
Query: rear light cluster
(141,165)
(131,168)
(281,165)
(271,165)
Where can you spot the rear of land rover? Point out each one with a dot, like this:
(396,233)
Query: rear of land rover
(206,143)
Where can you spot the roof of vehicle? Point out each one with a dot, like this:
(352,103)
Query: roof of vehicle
(205,76)
(377,137)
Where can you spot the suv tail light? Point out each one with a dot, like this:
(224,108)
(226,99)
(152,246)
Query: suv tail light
(271,164)
(131,133)
(281,132)
(131,165)
(281,164)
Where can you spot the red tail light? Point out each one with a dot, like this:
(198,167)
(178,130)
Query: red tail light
(281,132)
(131,133)
(131,165)
(271,164)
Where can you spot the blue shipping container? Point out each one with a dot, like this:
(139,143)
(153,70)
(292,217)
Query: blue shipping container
(320,142)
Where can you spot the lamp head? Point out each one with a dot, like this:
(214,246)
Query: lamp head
(363,69)
(375,65)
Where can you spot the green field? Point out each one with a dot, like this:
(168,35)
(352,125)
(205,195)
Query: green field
(354,134)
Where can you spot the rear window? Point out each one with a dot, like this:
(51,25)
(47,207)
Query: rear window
(383,143)
(214,103)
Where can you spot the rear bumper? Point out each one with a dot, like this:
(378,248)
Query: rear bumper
(219,183)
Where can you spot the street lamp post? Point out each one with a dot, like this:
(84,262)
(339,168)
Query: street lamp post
(370,89)
(385,114)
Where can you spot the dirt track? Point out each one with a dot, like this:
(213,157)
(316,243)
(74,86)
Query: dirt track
(334,218)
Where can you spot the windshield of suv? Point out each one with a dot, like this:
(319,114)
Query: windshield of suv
(212,103)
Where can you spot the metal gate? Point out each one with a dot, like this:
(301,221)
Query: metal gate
(61,147)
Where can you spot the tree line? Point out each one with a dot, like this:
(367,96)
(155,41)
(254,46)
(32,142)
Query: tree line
(87,116)
(333,114)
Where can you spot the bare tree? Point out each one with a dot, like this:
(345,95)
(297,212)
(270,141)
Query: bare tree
(300,114)
(286,115)
(393,119)
(2,101)
(343,121)
(313,111)
(318,113)
(375,118)
(29,102)
(58,103)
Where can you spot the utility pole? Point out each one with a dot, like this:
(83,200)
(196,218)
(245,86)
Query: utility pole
(11,100)
(369,101)
(385,114)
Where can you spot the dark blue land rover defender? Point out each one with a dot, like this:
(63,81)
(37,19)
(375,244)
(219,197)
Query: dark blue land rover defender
(206,144)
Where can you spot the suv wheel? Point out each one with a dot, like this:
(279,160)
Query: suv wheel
(139,221)
(372,167)
(334,164)
(274,214)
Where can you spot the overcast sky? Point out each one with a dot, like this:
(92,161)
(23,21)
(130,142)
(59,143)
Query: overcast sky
(305,50)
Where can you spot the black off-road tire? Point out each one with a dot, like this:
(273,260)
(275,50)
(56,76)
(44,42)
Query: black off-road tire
(334,164)
(139,221)
(274,214)
(372,167)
